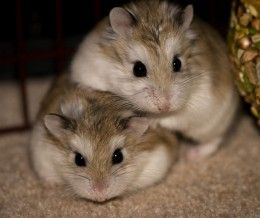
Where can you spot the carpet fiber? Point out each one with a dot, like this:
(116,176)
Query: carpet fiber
(225,185)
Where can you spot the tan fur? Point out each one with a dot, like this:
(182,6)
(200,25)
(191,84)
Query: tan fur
(97,130)
(154,16)
(200,101)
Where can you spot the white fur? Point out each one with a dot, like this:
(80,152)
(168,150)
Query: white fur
(117,141)
(84,63)
(196,110)
(171,47)
(43,155)
(204,150)
(200,118)
(55,166)
(157,163)
(211,119)
(83,146)
(72,109)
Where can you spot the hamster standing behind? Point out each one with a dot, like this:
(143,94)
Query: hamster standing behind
(166,62)
(93,143)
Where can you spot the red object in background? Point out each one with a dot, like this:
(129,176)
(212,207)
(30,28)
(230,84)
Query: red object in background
(22,57)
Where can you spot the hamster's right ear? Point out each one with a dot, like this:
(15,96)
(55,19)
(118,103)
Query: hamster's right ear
(58,125)
(188,15)
(121,20)
(136,126)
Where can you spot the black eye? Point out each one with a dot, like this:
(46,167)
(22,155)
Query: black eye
(79,160)
(176,64)
(117,156)
(139,69)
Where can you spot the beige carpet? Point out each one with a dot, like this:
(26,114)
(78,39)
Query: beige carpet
(226,185)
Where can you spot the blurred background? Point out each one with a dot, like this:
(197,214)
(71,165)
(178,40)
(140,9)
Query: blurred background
(38,39)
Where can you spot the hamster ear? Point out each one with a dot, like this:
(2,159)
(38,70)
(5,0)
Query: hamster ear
(121,20)
(138,125)
(187,16)
(57,125)
(72,109)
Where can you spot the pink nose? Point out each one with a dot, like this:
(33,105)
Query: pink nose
(164,107)
(99,186)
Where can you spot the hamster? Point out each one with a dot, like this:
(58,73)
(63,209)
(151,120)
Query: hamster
(166,62)
(94,143)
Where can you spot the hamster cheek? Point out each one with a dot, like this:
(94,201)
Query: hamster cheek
(137,92)
(179,97)
(79,186)
(155,168)
(121,182)
(145,103)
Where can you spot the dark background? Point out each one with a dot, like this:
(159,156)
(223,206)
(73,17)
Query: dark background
(39,31)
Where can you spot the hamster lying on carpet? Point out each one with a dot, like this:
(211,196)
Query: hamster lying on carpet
(97,144)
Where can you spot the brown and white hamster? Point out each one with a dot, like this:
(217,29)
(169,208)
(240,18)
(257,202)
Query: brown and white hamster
(166,62)
(91,142)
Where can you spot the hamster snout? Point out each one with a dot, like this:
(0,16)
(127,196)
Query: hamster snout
(100,190)
(100,186)
(159,101)
(162,102)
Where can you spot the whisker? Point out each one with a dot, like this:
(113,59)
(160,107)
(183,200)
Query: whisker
(83,177)
(123,168)
(78,175)
(123,173)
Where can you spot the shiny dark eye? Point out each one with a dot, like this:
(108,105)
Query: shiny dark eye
(79,160)
(176,64)
(117,156)
(139,69)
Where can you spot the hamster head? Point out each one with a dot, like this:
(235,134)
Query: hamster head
(100,154)
(144,55)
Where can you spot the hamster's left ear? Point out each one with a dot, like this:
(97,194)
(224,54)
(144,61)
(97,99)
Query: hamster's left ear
(121,20)
(188,15)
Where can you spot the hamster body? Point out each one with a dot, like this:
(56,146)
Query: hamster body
(91,142)
(166,62)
